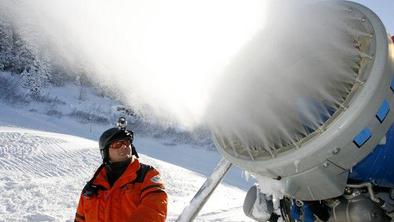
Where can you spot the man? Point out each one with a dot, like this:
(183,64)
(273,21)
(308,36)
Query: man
(122,189)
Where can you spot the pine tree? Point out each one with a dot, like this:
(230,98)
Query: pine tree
(5,45)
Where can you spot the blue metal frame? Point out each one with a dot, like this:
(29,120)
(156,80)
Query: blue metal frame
(378,166)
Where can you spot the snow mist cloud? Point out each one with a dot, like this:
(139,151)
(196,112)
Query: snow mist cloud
(245,68)
(161,56)
(288,80)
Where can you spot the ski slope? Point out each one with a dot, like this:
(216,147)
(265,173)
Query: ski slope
(42,173)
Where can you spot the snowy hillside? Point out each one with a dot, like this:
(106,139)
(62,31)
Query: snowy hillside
(42,173)
(93,110)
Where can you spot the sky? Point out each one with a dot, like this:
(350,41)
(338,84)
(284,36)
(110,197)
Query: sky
(384,9)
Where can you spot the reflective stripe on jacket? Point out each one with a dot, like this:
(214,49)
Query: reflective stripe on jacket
(125,201)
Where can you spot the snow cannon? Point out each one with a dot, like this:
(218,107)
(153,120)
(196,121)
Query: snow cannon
(345,166)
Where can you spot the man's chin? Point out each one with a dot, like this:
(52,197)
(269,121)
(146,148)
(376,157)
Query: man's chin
(126,156)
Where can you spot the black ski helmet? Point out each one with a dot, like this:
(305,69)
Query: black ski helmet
(113,134)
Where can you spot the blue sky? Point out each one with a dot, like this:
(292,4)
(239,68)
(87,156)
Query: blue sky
(384,9)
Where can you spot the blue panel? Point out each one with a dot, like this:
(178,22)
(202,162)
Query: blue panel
(383,111)
(362,137)
(378,166)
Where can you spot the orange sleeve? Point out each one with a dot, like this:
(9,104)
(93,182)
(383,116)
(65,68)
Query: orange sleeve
(80,214)
(153,206)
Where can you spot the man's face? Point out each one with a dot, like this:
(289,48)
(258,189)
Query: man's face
(119,150)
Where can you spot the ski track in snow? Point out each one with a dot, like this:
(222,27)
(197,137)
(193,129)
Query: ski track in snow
(42,175)
(41,156)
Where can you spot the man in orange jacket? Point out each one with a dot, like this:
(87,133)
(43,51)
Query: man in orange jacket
(122,189)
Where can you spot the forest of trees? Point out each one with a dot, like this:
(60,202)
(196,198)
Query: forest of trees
(33,65)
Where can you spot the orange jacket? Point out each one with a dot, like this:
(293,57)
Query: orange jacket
(125,201)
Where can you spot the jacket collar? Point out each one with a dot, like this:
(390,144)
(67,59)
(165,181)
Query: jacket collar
(127,176)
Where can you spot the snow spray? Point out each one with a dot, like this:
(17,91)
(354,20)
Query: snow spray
(266,74)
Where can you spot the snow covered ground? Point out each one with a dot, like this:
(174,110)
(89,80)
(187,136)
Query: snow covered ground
(42,172)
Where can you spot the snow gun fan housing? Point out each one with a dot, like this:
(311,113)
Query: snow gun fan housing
(317,166)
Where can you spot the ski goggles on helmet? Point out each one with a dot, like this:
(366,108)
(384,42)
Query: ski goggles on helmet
(117,144)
